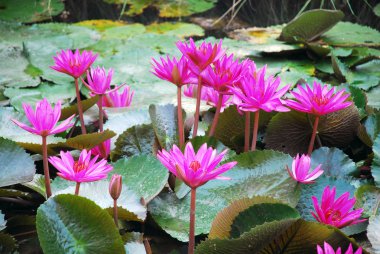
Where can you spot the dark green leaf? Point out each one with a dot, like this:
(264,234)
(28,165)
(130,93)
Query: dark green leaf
(73,224)
(7,243)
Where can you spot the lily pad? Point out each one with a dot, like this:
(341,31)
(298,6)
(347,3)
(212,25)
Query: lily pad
(373,234)
(179,29)
(68,223)
(37,184)
(143,174)
(30,11)
(375,169)
(304,28)
(368,198)
(291,131)
(17,166)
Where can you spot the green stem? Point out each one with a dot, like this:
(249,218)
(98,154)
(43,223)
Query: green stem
(255,129)
(46,167)
(80,108)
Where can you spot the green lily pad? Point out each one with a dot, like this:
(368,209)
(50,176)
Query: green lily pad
(128,202)
(368,198)
(37,184)
(17,166)
(259,214)
(68,223)
(143,174)
(372,126)
(373,234)
(346,34)
(365,76)
(3,222)
(334,162)
(304,28)
(291,131)
(30,11)
(286,236)
(179,29)
(260,173)
(375,169)
(66,112)
(305,204)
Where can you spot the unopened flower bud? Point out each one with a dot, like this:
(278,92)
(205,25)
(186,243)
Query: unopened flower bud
(115,186)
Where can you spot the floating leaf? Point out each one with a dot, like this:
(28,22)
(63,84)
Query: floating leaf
(179,29)
(17,166)
(286,236)
(334,162)
(128,202)
(37,184)
(68,223)
(143,174)
(346,34)
(88,141)
(259,173)
(30,11)
(66,112)
(376,10)
(305,204)
(373,234)
(368,198)
(259,214)
(139,139)
(339,68)
(123,32)
(375,169)
(164,122)
(3,222)
(372,126)
(304,28)
(100,24)
(291,131)
(221,225)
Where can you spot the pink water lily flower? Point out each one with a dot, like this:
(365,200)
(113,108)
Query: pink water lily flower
(224,73)
(118,98)
(256,92)
(74,64)
(174,71)
(84,169)
(300,170)
(318,99)
(44,119)
(195,169)
(327,249)
(336,212)
(99,81)
(200,57)
(103,150)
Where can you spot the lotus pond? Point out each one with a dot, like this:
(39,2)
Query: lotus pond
(195,126)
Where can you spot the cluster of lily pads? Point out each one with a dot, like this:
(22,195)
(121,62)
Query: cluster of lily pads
(268,192)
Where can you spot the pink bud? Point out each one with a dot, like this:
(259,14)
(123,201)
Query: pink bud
(115,186)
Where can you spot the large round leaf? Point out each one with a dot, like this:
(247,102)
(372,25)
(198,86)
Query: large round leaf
(258,214)
(260,173)
(373,234)
(73,224)
(286,236)
(17,166)
(304,28)
(334,162)
(368,198)
(375,169)
(305,204)
(291,131)
(143,174)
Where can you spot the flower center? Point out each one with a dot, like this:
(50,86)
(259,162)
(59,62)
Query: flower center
(321,100)
(334,214)
(195,165)
(78,167)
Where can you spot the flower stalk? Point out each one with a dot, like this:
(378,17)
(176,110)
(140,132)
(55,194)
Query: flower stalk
(115,214)
(100,104)
(80,108)
(77,186)
(46,166)
(217,114)
(180,118)
(255,130)
(192,221)
(197,106)
(246,130)
(313,135)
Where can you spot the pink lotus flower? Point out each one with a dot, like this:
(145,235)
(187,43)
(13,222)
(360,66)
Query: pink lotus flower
(225,72)
(327,249)
(174,71)
(209,95)
(318,100)
(103,150)
(200,57)
(300,170)
(195,169)
(336,212)
(255,93)
(73,64)
(99,81)
(44,119)
(83,170)
(117,99)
